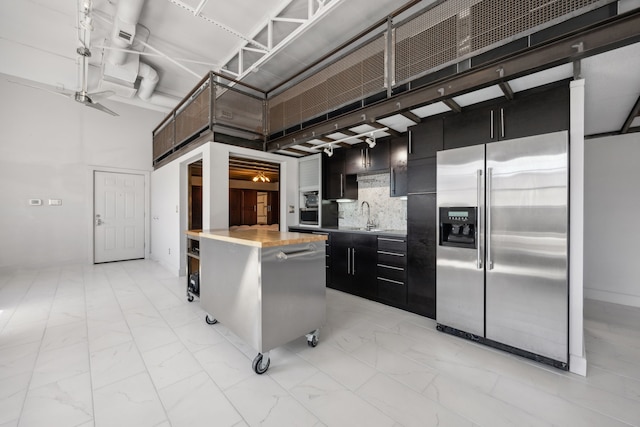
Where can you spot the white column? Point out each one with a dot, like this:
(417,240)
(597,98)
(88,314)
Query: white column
(577,356)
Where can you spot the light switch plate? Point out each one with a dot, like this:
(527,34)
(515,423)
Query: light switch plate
(35,202)
(55,202)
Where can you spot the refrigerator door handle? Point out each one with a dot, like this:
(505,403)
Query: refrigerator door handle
(488,214)
(479,218)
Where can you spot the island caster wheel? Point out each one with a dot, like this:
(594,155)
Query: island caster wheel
(257,365)
(190,298)
(312,338)
(210,321)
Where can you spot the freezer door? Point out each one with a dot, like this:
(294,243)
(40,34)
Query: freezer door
(526,255)
(459,271)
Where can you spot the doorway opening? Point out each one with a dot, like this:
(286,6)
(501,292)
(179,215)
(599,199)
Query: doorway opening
(194,179)
(254,192)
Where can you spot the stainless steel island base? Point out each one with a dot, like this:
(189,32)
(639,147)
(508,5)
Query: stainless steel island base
(267,295)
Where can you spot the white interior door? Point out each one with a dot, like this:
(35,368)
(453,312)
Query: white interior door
(118,216)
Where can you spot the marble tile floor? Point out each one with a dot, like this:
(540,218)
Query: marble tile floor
(118,345)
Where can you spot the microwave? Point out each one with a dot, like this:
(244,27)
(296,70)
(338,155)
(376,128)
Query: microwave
(309,216)
(311,199)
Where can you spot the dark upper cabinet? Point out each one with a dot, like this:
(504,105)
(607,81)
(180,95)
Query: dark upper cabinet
(337,184)
(421,254)
(425,139)
(473,126)
(362,159)
(398,148)
(532,112)
(535,114)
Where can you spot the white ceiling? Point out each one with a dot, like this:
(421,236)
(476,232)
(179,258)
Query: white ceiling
(38,38)
(38,41)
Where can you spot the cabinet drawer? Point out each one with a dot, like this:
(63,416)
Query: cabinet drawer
(397,274)
(395,259)
(391,292)
(392,244)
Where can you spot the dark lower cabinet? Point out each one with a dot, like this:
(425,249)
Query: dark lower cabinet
(392,271)
(353,263)
(421,254)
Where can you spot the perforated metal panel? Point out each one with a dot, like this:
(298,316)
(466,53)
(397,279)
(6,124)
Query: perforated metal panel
(496,20)
(237,109)
(353,77)
(457,28)
(442,35)
(430,39)
(194,116)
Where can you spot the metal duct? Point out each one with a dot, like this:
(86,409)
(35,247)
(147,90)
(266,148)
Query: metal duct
(123,66)
(149,80)
(124,28)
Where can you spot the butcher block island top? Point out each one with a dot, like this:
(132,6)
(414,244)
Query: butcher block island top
(259,238)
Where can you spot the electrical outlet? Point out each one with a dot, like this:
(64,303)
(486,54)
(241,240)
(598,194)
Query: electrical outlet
(35,202)
(169,251)
(55,202)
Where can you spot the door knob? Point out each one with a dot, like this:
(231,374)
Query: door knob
(98,221)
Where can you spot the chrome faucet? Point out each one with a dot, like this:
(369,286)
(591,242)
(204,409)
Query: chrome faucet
(370,224)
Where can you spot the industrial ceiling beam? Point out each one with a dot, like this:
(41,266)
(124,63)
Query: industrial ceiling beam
(413,117)
(612,34)
(313,15)
(453,105)
(635,111)
(197,11)
(506,90)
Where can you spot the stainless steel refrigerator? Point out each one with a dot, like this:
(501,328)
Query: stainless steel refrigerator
(502,255)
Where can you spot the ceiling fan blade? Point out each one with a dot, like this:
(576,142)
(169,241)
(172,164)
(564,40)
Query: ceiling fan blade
(101,95)
(100,107)
(66,94)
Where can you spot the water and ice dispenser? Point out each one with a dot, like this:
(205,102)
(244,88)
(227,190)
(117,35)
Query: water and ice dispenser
(458,227)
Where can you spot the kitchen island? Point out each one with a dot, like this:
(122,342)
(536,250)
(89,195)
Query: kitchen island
(267,287)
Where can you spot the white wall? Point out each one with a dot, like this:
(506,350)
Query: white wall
(612,229)
(48,146)
(169,198)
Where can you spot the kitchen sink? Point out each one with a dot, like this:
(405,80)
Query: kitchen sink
(370,230)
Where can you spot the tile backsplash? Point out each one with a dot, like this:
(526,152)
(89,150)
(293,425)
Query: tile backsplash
(389,213)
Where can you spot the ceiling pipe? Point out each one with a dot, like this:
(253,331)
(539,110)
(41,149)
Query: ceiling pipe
(124,28)
(124,32)
(149,80)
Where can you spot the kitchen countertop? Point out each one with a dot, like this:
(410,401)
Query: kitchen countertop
(259,238)
(375,232)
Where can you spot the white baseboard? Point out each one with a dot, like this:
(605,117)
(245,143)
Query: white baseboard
(168,266)
(578,365)
(614,297)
